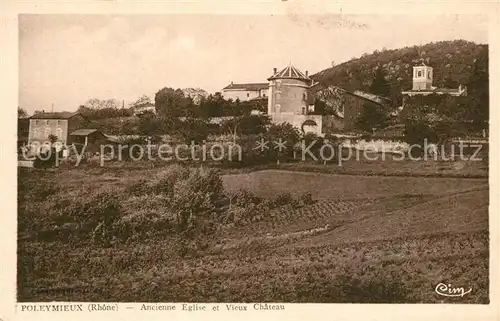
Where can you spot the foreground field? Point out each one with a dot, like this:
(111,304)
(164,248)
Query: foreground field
(365,239)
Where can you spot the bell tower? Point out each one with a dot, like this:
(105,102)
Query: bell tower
(422,77)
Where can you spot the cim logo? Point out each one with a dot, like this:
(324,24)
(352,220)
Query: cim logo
(449,291)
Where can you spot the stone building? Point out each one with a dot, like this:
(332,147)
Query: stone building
(245,92)
(60,124)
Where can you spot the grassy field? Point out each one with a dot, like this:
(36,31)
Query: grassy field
(364,239)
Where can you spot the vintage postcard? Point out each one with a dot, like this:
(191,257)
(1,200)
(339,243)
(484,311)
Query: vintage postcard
(214,161)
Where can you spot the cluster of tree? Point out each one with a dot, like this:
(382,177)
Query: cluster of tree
(21,113)
(197,129)
(171,102)
(100,109)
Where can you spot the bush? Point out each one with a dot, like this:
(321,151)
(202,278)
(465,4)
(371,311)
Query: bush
(306,199)
(195,200)
(283,199)
(165,181)
(244,197)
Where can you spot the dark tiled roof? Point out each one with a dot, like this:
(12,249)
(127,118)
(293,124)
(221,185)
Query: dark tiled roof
(373,97)
(57,115)
(249,87)
(435,90)
(83,132)
(290,72)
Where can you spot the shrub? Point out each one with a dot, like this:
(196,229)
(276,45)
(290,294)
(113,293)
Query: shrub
(165,181)
(195,200)
(244,197)
(283,199)
(306,199)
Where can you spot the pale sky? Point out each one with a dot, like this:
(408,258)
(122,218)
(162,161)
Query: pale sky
(66,59)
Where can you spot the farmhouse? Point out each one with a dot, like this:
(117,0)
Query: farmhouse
(42,125)
(245,92)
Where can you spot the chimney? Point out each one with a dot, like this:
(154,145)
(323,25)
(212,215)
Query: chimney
(307,73)
(231,83)
(275,70)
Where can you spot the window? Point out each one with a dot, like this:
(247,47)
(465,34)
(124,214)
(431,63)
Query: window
(36,122)
(419,73)
(36,132)
(248,94)
(47,122)
(47,132)
(58,123)
(304,96)
(263,94)
(59,133)
(303,110)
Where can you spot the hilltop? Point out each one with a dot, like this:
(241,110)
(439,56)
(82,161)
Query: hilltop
(452,62)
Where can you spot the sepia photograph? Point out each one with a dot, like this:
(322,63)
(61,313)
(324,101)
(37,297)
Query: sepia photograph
(260,158)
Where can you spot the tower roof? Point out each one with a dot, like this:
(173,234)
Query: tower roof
(289,72)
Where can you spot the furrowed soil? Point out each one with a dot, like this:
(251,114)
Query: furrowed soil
(365,239)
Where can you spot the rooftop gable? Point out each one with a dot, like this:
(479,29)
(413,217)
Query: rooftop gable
(247,87)
(56,115)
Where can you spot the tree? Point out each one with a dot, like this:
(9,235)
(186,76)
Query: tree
(21,113)
(100,109)
(141,101)
(193,130)
(171,102)
(246,125)
(285,134)
(478,91)
(380,86)
(196,94)
(372,116)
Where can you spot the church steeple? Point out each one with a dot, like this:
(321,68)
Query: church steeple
(422,77)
